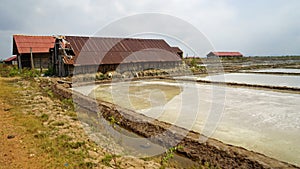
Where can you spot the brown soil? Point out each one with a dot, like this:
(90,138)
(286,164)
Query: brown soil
(30,141)
(16,150)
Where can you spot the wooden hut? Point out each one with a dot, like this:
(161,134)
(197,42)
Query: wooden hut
(32,51)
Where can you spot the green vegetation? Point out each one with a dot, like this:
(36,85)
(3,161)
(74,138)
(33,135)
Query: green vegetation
(113,122)
(29,73)
(44,117)
(108,158)
(13,71)
(49,72)
(68,104)
(195,65)
(49,92)
(169,154)
(7,71)
(208,166)
(193,61)
(58,123)
(56,149)
(101,76)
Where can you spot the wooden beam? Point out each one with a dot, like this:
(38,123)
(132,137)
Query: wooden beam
(31,59)
(20,62)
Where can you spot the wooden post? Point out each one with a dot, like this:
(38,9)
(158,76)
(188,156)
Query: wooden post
(31,59)
(54,60)
(41,64)
(20,62)
(59,66)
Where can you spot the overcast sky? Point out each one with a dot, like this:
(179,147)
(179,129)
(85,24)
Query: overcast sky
(257,27)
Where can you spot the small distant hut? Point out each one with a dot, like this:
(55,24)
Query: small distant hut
(32,51)
(11,61)
(225,54)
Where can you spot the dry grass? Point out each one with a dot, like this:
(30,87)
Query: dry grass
(53,149)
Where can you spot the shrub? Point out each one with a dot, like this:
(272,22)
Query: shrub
(29,73)
(49,72)
(13,71)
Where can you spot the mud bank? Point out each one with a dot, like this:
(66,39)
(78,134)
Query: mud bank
(212,151)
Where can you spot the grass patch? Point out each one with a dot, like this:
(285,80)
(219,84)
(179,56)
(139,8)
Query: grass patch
(73,145)
(44,117)
(41,135)
(72,114)
(68,104)
(87,165)
(54,151)
(108,158)
(32,124)
(58,123)
(13,71)
(62,151)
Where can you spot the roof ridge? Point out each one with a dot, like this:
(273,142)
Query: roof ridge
(33,35)
(131,38)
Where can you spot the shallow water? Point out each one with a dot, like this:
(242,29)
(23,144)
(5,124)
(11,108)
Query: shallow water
(258,79)
(278,70)
(264,121)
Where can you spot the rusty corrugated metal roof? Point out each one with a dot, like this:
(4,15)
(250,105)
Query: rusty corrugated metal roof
(177,49)
(39,44)
(99,50)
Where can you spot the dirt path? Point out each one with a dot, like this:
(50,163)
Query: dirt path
(14,153)
(38,130)
(16,150)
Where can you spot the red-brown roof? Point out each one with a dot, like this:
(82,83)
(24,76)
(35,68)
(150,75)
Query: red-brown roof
(227,53)
(39,44)
(99,50)
(11,59)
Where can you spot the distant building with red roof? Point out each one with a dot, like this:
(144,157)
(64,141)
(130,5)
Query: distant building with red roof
(225,54)
(33,50)
(11,61)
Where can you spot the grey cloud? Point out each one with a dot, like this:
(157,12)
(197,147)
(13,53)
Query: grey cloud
(254,27)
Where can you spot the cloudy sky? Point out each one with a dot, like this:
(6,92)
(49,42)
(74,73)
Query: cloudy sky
(257,27)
